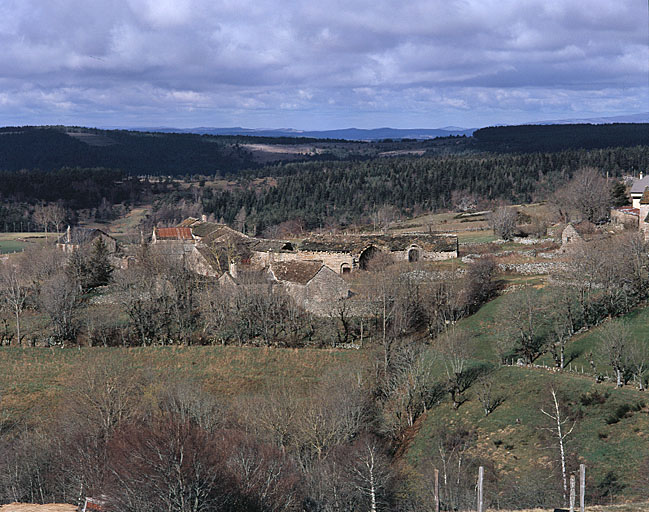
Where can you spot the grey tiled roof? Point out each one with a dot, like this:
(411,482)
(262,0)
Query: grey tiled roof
(639,185)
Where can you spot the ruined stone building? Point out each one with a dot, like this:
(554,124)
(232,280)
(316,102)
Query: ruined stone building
(219,246)
(309,269)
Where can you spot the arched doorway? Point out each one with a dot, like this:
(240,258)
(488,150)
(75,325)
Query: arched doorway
(345,268)
(366,256)
(413,255)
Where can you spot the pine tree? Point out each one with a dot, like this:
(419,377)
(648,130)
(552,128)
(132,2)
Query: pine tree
(99,265)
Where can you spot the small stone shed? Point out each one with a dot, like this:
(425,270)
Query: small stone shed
(311,284)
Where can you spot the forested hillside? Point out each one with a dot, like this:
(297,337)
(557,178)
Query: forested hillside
(560,137)
(137,153)
(179,154)
(351,191)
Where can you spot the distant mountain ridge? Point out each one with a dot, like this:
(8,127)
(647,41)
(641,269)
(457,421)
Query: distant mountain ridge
(344,133)
(642,117)
(375,134)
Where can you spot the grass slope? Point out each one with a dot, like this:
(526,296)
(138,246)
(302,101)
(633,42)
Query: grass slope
(34,379)
(512,437)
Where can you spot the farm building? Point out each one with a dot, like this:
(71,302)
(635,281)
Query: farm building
(75,238)
(218,246)
(311,284)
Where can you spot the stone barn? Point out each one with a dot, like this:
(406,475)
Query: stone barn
(220,246)
(75,238)
(311,284)
(344,253)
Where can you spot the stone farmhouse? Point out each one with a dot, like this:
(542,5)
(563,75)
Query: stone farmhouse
(638,189)
(635,216)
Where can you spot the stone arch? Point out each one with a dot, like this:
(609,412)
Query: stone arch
(413,254)
(366,255)
(345,268)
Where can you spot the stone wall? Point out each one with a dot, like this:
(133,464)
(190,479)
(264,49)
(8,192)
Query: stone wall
(644,226)
(424,255)
(336,260)
(332,260)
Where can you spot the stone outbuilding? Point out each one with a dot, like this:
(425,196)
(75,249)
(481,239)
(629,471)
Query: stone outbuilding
(218,246)
(311,284)
(570,238)
(75,238)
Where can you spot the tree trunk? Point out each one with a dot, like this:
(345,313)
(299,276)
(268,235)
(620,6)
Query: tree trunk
(18,327)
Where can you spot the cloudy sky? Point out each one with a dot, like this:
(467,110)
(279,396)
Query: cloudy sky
(320,64)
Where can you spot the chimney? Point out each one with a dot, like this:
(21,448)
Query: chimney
(233,268)
(68,238)
(641,174)
(204,218)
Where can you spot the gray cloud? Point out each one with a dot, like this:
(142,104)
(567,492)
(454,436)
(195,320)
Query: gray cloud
(320,64)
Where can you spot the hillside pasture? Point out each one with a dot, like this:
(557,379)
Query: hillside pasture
(17,242)
(36,379)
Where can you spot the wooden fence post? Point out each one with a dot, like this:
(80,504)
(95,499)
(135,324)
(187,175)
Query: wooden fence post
(582,487)
(572,493)
(437,490)
(480,480)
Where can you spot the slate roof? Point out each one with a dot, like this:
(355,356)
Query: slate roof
(266,245)
(80,236)
(639,185)
(173,234)
(300,272)
(188,222)
(204,229)
(217,260)
(355,244)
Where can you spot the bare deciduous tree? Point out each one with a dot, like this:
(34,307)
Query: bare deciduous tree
(60,299)
(14,291)
(521,324)
(487,395)
(587,196)
(370,474)
(455,345)
(503,222)
(560,429)
(615,341)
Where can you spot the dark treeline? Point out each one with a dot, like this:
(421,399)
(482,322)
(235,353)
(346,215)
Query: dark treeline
(76,188)
(49,149)
(158,153)
(561,137)
(30,198)
(351,191)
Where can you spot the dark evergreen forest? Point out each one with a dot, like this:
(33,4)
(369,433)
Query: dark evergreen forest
(136,153)
(350,191)
(96,169)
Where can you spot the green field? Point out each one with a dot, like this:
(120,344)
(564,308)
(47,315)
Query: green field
(17,242)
